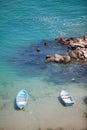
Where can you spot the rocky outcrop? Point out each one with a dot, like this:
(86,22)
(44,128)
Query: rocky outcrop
(77,50)
(59,58)
(73,42)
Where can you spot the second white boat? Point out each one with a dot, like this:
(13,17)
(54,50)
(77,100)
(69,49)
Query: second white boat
(66,98)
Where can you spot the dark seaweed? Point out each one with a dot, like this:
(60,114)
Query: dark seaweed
(32,63)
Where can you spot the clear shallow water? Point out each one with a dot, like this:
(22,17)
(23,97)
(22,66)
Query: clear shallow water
(25,25)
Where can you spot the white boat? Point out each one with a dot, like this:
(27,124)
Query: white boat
(66,98)
(22,98)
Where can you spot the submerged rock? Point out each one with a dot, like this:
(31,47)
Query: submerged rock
(46,43)
(61,40)
(37,49)
(73,79)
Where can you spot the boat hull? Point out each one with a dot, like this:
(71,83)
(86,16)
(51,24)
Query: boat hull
(66,98)
(22,99)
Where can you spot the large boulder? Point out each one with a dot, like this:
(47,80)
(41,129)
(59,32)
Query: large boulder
(72,54)
(58,58)
(50,58)
(67,58)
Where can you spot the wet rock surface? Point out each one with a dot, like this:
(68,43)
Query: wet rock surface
(77,50)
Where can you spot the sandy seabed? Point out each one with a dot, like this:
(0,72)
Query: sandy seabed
(46,113)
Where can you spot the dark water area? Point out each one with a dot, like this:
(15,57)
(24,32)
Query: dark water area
(30,61)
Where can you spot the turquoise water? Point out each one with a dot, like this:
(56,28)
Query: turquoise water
(24,26)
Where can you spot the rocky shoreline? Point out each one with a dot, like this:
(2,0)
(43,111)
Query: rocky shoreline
(76,50)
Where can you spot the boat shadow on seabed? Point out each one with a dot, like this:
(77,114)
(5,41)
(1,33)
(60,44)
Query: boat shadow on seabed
(15,106)
(59,99)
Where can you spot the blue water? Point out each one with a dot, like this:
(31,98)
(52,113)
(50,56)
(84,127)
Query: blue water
(24,26)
